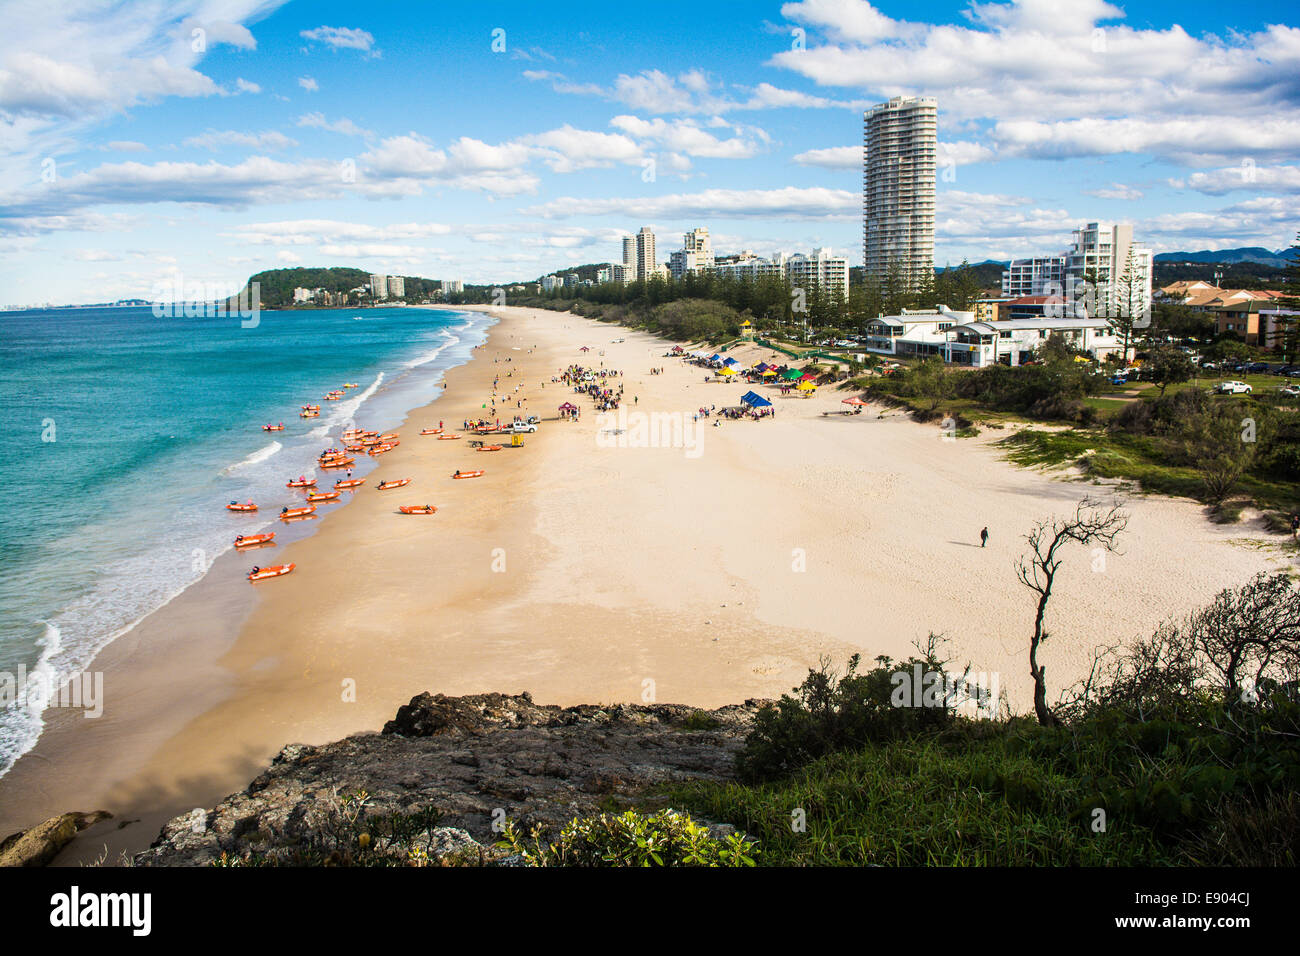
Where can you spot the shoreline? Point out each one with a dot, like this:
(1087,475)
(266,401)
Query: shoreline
(589,574)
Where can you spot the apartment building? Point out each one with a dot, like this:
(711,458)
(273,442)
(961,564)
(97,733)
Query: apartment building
(1104,269)
(900,144)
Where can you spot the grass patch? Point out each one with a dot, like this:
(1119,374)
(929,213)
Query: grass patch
(927,802)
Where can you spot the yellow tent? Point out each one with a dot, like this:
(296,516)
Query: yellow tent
(769,373)
(728,371)
(806,387)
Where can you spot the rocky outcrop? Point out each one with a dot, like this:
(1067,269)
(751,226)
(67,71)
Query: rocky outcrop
(42,843)
(474,760)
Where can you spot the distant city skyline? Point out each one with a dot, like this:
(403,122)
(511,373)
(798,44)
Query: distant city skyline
(211,140)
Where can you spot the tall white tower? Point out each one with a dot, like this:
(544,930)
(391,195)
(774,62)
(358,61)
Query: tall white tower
(900,144)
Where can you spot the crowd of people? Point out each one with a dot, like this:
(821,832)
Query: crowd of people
(595,384)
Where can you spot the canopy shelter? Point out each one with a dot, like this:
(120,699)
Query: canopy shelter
(806,387)
(791,374)
(754,400)
(807,376)
(769,373)
(568,407)
(853,401)
(760,367)
(730,361)
(715,357)
(727,370)
(585,348)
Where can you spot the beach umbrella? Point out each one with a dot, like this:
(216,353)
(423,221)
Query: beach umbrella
(854,401)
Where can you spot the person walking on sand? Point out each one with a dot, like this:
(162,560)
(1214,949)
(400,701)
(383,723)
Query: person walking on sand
(1295,526)
(984,537)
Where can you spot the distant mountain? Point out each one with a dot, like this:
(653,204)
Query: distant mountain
(1243,254)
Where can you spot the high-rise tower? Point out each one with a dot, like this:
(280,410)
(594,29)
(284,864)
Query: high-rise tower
(899,142)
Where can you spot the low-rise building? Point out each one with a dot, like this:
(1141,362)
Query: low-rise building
(961,338)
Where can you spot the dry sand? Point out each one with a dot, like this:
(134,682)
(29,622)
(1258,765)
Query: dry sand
(585,573)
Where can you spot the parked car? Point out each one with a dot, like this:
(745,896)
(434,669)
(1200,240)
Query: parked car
(1257,367)
(1232,388)
(1119,380)
(1210,365)
(520,428)
(1289,391)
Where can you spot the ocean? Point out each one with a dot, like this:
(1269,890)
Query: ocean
(126,434)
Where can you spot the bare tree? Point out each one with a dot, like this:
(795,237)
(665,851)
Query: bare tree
(1092,523)
(1249,633)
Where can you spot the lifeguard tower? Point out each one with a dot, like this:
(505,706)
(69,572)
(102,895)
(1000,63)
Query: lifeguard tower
(747,329)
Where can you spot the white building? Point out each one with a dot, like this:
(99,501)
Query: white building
(629,258)
(379,286)
(452,285)
(645,254)
(1036,276)
(820,270)
(1102,253)
(695,257)
(551,283)
(956,337)
(396,287)
(303,295)
(746,265)
(900,147)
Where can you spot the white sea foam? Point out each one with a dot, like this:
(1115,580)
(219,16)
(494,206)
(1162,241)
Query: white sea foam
(260,455)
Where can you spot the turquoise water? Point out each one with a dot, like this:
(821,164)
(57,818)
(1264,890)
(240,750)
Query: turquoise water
(125,435)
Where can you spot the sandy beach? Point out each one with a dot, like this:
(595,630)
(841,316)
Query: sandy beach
(585,572)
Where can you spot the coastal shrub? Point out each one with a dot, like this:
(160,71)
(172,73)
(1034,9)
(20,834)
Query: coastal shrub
(665,838)
(831,711)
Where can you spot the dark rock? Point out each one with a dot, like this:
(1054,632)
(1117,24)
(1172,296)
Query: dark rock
(472,759)
(42,843)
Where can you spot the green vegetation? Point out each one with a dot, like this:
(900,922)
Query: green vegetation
(276,285)
(1180,752)
(666,838)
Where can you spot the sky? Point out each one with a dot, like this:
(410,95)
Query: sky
(200,141)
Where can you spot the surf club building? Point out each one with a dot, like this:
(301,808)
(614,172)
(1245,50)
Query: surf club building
(959,338)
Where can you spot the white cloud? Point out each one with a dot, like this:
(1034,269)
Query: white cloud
(786,203)
(341,38)
(686,137)
(341,125)
(851,157)
(1245,176)
(1115,191)
(246,86)
(215,139)
(657,92)
(309,84)
(1063,79)
(126,146)
(300,232)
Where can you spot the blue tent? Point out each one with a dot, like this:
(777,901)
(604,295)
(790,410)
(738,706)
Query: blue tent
(715,357)
(730,361)
(754,400)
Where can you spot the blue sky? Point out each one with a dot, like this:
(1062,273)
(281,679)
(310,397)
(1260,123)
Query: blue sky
(208,139)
